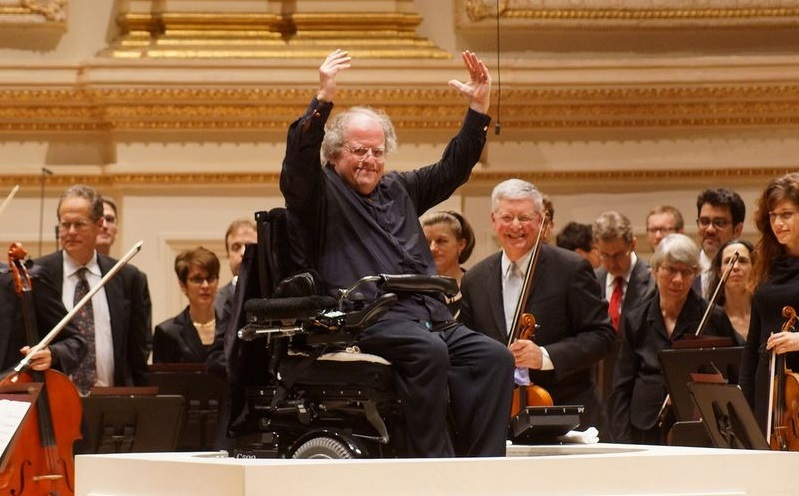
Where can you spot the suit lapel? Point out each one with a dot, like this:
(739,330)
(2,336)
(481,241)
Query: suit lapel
(189,335)
(495,298)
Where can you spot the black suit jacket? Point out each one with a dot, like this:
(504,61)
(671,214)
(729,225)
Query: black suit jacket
(131,316)
(68,347)
(574,325)
(639,388)
(176,341)
(640,287)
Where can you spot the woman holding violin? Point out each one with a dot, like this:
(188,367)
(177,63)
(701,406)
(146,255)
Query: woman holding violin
(775,279)
(672,313)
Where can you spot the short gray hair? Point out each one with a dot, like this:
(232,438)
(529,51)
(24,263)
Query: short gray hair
(336,130)
(516,189)
(676,248)
(611,225)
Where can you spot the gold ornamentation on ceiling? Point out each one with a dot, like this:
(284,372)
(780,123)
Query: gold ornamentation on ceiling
(33,12)
(187,35)
(242,109)
(619,179)
(673,13)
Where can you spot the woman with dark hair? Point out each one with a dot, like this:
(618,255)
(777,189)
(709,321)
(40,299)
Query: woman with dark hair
(736,296)
(188,337)
(775,281)
(451,242)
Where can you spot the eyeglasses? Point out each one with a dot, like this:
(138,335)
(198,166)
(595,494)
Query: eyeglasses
(671,271)
(110,218)
(78,225)
(618,256)
(718,222)
(784,216)
(663,230)
(508,218)
(199,280)
(361,152)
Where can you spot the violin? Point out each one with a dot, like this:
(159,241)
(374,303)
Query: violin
(524,326)
(783,416)
(42,460)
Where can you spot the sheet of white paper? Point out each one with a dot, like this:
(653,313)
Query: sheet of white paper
(11,414)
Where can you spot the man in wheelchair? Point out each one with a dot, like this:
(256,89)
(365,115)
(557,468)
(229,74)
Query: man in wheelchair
(346,218)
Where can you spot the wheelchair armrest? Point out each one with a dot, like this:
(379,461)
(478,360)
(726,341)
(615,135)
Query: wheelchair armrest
(414,283)
(366,317)
(303,307)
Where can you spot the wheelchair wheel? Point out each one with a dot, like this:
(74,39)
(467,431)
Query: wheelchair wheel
(323,447)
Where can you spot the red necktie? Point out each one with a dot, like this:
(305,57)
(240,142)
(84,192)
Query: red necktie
(615,302)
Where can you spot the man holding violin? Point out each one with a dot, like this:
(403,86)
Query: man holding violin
(573,331)
(66,350)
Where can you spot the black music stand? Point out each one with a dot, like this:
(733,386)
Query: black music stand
(130,420)
(727,416)
(205,406)
(681,366)
(26,392)
(544,424)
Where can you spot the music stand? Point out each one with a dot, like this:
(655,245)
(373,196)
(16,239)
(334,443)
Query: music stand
(129,422)
(727,416)
(204,408)
(544,424)
(681,366)
(13,420)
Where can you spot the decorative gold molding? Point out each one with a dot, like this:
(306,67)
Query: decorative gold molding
(620,179)
(33,12)
(637,13)
(221,35)
(243,109)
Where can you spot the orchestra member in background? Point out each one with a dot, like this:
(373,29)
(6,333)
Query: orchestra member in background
(188,337)
(775,279)
(736,296)
(451,242)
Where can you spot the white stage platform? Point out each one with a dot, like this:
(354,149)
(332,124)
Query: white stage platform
(598,469)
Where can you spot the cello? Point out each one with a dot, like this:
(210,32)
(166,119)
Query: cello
(783,416)
(524,326)
(42,461)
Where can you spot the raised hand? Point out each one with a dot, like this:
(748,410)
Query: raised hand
(478,88)
(333,64)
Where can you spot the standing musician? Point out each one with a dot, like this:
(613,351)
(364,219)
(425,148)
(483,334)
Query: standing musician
(348,218)
(574,331)
(672,313)
(776,283)
(66,350)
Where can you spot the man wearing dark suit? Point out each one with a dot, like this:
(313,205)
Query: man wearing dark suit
(239,234)
(121,309)
(65,351)
(573,330)
(613,234)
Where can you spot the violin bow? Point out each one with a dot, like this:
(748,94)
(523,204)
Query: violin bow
(5,203)
(25,362)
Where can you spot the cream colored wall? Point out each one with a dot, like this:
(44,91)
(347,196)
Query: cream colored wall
(169,211)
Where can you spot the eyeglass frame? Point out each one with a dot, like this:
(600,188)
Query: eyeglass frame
(199,280)
(506,218)
(361,152)
(79,225)
(717,222)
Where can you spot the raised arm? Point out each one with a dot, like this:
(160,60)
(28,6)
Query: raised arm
(478,88)
(330,68)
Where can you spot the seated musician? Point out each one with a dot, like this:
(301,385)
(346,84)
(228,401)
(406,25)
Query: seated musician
(673,312)
(574,331)
(349,218)
(64,352)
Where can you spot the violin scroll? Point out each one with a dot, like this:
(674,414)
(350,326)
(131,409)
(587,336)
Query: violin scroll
(790,315)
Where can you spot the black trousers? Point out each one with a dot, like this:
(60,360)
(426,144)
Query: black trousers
(455,371)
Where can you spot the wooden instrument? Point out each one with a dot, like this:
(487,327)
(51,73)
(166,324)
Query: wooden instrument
(42,461)
(783,418)
(524,328)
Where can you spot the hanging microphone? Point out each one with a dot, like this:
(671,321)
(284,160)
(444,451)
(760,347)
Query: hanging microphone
(498,126)
(45,172)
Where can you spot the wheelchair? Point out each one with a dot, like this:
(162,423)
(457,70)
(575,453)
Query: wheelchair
(305,389)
